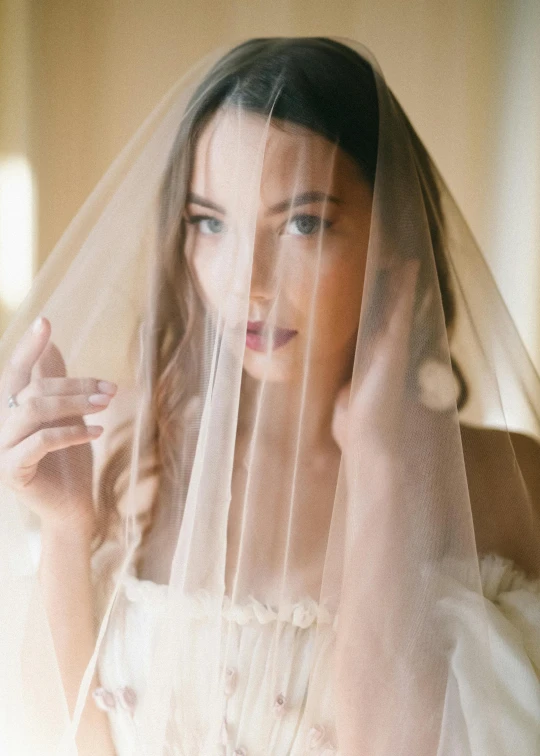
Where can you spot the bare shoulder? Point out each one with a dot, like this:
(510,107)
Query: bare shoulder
(503,473)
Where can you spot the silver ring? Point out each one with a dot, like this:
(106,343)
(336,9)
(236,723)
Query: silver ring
(12,401)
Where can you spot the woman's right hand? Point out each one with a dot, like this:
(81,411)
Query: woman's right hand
(44,452)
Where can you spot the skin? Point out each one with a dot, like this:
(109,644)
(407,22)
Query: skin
(316,245)
(46,460)
(308,267)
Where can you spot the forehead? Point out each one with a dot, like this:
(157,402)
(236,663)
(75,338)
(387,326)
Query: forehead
(240,152)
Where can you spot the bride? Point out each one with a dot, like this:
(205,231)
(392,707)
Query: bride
(308,521)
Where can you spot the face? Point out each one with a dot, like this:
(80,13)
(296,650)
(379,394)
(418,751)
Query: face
(281,213)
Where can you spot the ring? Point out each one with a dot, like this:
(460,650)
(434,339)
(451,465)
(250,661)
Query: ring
(12,401)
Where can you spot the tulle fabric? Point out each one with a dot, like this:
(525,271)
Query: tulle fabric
(396,569)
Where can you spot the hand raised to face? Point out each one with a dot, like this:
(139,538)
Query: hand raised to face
(369,416)
(44,456)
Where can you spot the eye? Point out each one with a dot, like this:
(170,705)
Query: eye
(206,224)
(306,225)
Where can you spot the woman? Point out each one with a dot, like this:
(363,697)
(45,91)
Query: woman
(297,547)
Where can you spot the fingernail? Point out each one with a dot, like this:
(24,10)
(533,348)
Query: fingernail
(100,400)
(37,325)
(94,430)
(106,387)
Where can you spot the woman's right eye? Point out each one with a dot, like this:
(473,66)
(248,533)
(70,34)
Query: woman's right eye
(206,224)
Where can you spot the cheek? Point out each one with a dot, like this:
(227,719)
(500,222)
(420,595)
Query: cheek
(221,270)
(339,299)
(214,274)
(205,271)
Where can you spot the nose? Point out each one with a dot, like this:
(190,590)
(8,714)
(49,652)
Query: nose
(263,271)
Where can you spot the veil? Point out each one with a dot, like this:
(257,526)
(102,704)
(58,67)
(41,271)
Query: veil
(324,415)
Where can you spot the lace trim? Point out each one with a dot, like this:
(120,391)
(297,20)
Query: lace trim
(498,575)
(201,604)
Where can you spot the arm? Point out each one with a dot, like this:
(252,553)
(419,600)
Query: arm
(388,683)
(46,460)
(64,574)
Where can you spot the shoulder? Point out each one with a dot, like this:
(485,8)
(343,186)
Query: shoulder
(503,475)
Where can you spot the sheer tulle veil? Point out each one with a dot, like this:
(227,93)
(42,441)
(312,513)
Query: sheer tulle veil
(333,297)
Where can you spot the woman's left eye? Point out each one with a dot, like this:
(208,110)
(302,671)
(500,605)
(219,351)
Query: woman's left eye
(206,224)
(306,225)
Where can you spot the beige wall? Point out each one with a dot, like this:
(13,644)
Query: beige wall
(98,67)
(101,66)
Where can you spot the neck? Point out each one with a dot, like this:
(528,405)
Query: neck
(277,412)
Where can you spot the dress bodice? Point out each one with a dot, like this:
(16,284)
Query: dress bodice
(266,676)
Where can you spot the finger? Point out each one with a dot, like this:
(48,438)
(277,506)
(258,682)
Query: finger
(18,371)
(339,418)
(392,348)
(33,449)
(383,378)
(404,284)
(50,363)
(65,386)
(29,417)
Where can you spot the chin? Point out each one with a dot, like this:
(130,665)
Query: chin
(273,368)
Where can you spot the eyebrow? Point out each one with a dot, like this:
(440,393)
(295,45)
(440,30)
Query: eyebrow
(198,200)
(305,198)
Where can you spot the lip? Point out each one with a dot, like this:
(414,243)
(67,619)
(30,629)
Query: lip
(258,336)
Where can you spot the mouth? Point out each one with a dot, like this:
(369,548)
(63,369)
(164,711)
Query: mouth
(260,338)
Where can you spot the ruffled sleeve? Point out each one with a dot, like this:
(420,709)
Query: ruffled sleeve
(495,666)
(514,598)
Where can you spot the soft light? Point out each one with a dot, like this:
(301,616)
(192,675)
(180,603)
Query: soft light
(16,230)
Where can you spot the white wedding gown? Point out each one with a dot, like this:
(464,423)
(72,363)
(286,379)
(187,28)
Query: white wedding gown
(263,706)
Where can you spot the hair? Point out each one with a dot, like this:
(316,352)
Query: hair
(316,83)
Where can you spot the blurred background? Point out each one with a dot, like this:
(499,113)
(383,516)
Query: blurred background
(78,77)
